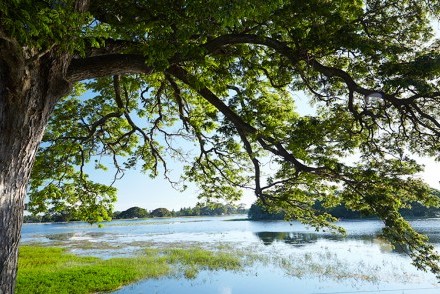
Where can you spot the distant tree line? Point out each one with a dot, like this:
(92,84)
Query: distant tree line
(212,209)
(201,209)
(259,212)
(50,216)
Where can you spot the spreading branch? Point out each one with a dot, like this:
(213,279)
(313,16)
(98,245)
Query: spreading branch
(106,65)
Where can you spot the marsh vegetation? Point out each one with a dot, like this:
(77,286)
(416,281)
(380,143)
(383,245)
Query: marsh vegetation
(54,270)
(211,254)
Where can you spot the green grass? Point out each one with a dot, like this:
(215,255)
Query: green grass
(195,259)
(54,270)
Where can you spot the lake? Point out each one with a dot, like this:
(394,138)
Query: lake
(294,258)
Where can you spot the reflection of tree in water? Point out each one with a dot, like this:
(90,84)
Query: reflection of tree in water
(60,236)
(292,238)
(434,237)
(68,236)
(302,239)
(403,249)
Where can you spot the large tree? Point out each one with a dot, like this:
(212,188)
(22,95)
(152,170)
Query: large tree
(224,75)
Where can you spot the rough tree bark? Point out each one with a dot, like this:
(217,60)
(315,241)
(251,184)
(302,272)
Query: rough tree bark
(30,85)
(28,92)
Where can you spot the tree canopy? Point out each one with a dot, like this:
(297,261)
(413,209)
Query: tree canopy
(161,212)
(258,212)
(214,83)
(133,212)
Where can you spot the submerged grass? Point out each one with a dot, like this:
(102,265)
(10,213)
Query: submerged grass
(195,259)
(54,270)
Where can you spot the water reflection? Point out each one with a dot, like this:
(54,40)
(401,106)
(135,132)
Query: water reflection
(298,239)
(76,236)
(301,239)
(60,237)
(292,238)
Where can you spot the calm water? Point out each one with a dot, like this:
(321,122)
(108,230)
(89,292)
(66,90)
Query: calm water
(297,259)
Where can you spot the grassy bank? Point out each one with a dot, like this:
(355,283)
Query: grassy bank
(54,270)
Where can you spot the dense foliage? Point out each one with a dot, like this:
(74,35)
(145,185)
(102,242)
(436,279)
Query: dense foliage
(160,212)
(260,212)
(160,77)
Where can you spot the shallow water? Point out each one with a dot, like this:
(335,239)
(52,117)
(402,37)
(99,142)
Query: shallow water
(297,259)
(266,280)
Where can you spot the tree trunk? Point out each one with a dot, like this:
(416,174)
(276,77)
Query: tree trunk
(27,96)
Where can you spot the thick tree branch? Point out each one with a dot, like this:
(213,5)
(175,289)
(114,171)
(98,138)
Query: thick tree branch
(281,47)
(111,46)
(268,143)
(105,65)
(107,60)
(336,72)
(183,75)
